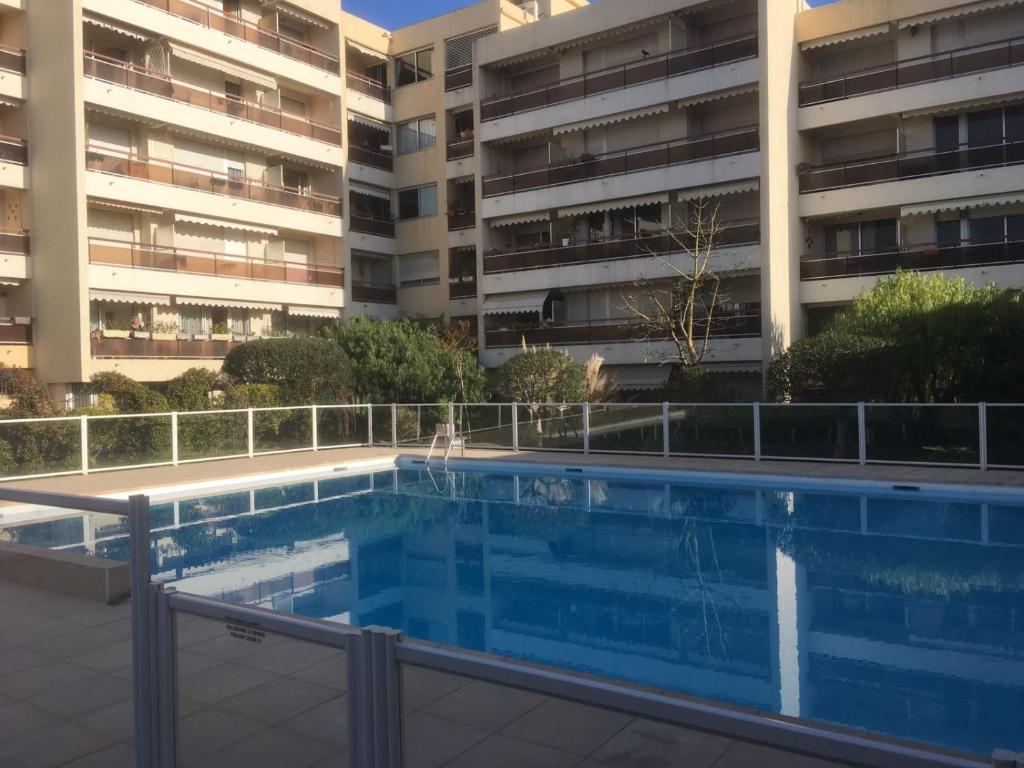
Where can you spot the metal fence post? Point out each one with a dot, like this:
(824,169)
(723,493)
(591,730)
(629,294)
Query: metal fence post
(387,718)
(757,431)
(143,620)
(982,436)
(174,438)
(586,427)
(515,427)
(394,425)
(83,431)
(666,444)
(360,699)
(252,441)
(167,677)
(369,423)
(862,435)
(451,417)
(313,430)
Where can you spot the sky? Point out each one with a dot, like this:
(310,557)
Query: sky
(391,14)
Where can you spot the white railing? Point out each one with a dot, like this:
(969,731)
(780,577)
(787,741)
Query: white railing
(977,435)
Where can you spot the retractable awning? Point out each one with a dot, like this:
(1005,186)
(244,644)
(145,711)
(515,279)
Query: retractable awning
(223,67)
(305,18)
(124,297)
(527,218)
(622,117)
(119,29)
(956,12)
(367,51)
(718,190)
(369,122)
(108,205)
(612,205)
(514,303)
(199,301)
(704,98)
(960,106)
(380,194)
(208,221)
(327,312)
(843,37)
(961,204)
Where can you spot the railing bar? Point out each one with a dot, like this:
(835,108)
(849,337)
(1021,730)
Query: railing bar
(98,504)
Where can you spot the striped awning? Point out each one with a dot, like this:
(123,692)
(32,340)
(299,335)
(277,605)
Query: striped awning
(208,221)
(718,190)
(611,119)
(704,98)
(112,206)
(369,122)
(960,106)
(200,301)
(956,12)
(223,67)
(124,297)
(305,18)
(843,37)
(368,51)
(961,204)
(526,218)
(612,205)
(380,194)
(327,312)
(119,29)
(514,303)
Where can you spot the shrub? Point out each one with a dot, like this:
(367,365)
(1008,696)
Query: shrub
(303,369)
(194,390)
(540,375)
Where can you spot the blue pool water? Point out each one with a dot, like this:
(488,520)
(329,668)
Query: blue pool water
(896,612)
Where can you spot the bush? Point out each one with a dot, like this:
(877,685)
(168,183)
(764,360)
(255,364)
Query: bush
(303,369)
(124,442)
(194,390)
(540,375)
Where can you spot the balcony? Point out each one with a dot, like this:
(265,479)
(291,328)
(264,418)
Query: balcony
(910,165)
(457,221)
(373,159)
(16,331)
(625,161)
(371,225)
(374,293)
(460,77)
(462,288)
(160,84)
(744,322)
(144,256)
(12,59)
(920,69)
(14,241)
(457,150)
(213,18)
(620,77)
(368,87)
(921,257)
(662,244)
(172,348)
(13,150)
(214,182)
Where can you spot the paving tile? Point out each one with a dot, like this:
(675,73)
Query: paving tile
(327,722)
(289,657)
(19,658)
(484,705)
(209,731)
(744,755)
(37,680)
(421,687)
(567,726)
(107,658)
(337,760)
(53,746)
(18,718)
(430,742)
(332,673)
(26,631)
(278,700)
(656,745)
(221,682)
(74,644)
(116,756)
(500,751)
(116,719)
(190,663)
(274,748)
(83,696)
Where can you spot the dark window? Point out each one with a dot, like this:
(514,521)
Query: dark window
(879,236)
(1015,228)
(414,67)
(947,232)
(988,229)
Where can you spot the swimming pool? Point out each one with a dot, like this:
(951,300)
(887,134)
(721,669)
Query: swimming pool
(899,611)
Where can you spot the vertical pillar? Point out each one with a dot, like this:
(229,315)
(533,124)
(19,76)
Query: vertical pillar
(515,427)
(249,427)
(174,438)
(369,424)
(586,428)
(83,432)
(394,425)
(143,621)
(666,441)
(982,436)
(757,431)
(313,429)
(862,435)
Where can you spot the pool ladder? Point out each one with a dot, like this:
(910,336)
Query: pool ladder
(449,435)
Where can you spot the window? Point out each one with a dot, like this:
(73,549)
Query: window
(193,320)
(239,322)
(417,135)
(291,33)
(862,237)
(232,8)
(296,180)
(988,229)
(417,202)
(233,90)
(419,268)
(414,67)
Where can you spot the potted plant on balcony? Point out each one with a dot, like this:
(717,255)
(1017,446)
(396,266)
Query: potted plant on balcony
(567,230)
(165,331)
(120,328)
(220,332)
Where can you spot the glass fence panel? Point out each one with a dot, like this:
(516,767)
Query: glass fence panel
(382,425)
(1005,424)
(943,434)
(716,430)
(251,697)
(417,424)
(284,429)
(626,428)
(35,448)
(129,441)
(485,426)
(809,432)
(550,427)
(343,425)
(212,435)
(82,533)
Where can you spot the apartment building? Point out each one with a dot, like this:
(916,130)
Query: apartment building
(197,174)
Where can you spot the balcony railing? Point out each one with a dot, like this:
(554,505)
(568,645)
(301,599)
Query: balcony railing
(910,165)
(457,150)
(633,247)
(459,77)
(371,225)
(375,293)
(920,69)
(921,257)
(14,241)
(13,149)
(373,159)
(160,84)
(741,323)
(659,155)
(215,182)
(622,76)
(12,59)
(15,330)
(368,87)
(458,221)
(462,289)
(169,259)
(208,16)
(171,348)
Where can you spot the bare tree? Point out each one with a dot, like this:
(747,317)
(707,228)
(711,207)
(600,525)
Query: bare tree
(686,310)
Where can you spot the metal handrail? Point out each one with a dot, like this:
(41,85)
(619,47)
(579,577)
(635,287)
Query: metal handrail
(918,256)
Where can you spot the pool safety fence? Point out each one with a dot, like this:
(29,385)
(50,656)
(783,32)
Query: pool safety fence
(979,435)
